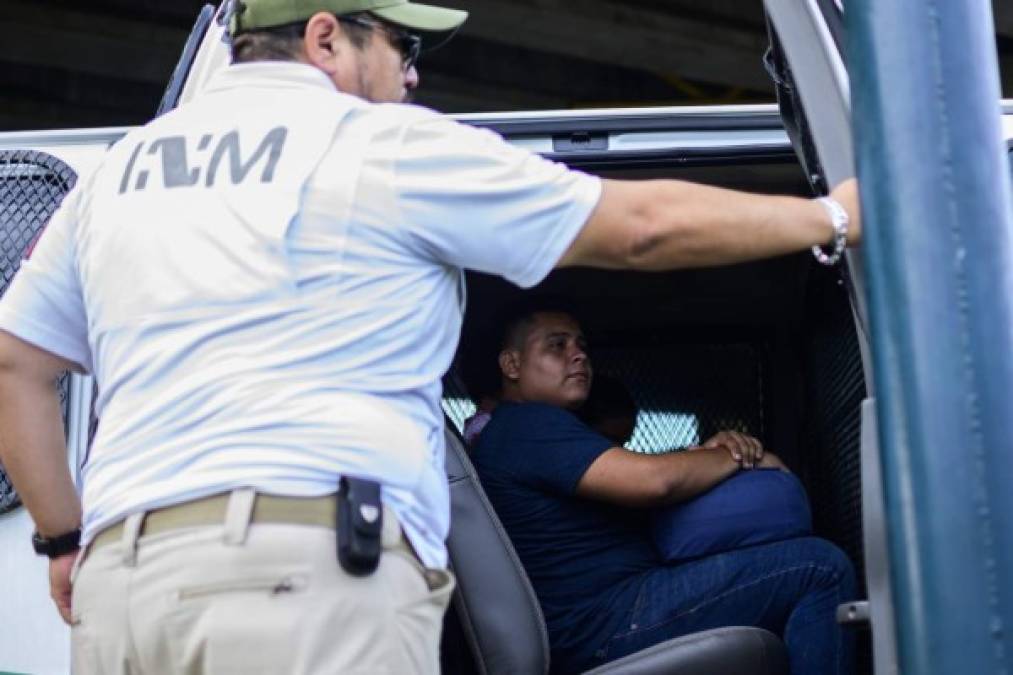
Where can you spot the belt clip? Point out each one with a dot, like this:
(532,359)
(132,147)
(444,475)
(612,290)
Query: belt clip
(360,525)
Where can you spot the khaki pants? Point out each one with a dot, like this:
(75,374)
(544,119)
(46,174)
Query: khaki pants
(252,598)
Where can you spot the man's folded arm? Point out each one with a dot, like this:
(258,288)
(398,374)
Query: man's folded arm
(32,443)
(634,479)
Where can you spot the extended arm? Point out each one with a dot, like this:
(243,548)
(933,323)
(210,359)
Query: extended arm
(669,224)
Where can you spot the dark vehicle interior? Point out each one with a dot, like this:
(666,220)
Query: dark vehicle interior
(766,348)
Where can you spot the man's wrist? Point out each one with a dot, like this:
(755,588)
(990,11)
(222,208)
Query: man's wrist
(728,463)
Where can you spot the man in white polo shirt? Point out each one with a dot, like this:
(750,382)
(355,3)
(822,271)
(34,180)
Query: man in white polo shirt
(267,285)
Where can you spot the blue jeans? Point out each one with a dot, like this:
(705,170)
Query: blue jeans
(791,588)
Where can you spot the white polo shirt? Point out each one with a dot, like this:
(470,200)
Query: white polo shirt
(267,285)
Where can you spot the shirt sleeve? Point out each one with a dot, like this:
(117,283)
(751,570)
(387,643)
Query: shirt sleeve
(472,200)
(44,305)
(555,449)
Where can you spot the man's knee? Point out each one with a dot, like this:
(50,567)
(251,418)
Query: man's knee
(831,565)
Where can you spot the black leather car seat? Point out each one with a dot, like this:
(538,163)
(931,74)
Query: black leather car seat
(503,623)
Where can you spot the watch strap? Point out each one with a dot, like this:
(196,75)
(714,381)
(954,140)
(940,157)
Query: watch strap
(53,547)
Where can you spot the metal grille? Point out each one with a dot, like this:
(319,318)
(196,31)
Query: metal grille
(684,392)
(32,185)
(687,392)
(458,409)
(835,384)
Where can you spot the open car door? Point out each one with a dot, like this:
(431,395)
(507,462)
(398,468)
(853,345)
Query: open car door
(807,65)
(938,244)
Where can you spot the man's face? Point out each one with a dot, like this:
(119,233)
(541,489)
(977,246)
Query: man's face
(376,72)
(553,366)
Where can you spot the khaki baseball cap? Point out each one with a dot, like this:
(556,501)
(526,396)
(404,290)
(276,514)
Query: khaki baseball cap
(254,14)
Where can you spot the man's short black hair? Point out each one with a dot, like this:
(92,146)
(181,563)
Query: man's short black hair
(519,318)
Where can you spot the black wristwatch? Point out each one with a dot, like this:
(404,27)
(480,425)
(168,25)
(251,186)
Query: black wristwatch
(56,546)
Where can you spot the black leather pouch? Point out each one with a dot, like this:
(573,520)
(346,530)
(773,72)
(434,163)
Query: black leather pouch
(360,526)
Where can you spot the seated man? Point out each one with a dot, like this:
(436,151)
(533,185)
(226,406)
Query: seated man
(576,508)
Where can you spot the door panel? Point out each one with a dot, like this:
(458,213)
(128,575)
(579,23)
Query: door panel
(813,87)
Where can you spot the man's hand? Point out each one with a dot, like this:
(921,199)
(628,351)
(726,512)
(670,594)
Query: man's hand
(847,195)
(59,583)
(745,449)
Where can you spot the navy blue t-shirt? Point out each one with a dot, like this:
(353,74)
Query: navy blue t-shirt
(583,557)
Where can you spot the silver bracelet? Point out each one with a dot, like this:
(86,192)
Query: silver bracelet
(840,220)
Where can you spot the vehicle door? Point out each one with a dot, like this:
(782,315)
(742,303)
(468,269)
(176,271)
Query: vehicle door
(806,62)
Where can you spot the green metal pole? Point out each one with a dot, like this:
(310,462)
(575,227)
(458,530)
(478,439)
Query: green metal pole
(939,262)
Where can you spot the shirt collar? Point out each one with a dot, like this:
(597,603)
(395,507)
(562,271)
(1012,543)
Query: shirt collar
(269,74)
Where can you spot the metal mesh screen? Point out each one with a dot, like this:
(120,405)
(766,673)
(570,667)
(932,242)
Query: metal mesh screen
(687,392)
(684,392)
(835,388)
(32,185)
(457,406)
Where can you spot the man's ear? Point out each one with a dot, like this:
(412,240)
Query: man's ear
(322,41)
(510,364)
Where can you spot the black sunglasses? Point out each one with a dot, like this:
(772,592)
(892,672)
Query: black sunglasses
(409,44)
